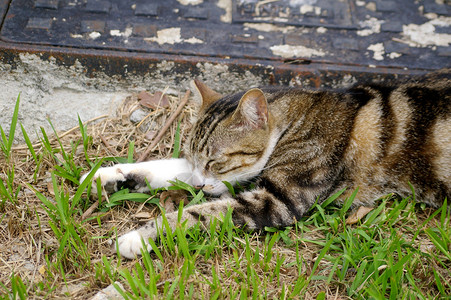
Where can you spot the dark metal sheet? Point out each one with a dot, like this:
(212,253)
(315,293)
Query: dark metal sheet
(273,72)
(368,34)
(325,13)
(3,9)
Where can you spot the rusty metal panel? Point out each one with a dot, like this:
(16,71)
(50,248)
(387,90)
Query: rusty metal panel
(374,36)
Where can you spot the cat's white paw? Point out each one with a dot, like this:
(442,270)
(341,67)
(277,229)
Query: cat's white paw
(109,177)
(130,244)
(135,176)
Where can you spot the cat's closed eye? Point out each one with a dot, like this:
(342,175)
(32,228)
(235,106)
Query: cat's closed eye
(209,165)
(217,166)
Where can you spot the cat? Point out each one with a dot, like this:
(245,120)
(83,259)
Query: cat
(302,146)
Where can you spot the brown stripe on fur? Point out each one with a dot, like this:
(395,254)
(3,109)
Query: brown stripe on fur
(295,209)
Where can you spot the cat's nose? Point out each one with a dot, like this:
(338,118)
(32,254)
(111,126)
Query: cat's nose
(199,186)
(197,181)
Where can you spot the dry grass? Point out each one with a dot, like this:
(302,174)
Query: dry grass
(25,235)
(28,244)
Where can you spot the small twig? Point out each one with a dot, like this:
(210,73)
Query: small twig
(105,142)
(336,294)
(163,130)
(89,211)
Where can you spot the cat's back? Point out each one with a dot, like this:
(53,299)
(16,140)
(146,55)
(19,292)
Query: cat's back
(402,135)
(381,138)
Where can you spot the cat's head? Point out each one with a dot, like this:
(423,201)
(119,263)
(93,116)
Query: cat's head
(230,140)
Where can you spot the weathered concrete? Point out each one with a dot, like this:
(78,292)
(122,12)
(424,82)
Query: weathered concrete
(62,93)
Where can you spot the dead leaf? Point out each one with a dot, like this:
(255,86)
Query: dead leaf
(151,134)
(142,215)
(50,188)
(171,199)
(42,269)
(161,148)
(358,215)
(153,101)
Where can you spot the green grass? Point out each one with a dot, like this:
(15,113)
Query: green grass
(372,260)
(400,250)
(7,141)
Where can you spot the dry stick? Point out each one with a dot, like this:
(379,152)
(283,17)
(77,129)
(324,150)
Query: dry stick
(89,211)
(105,142)
(165,127)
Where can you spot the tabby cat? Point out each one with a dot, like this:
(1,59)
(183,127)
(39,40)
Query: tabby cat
(300,146)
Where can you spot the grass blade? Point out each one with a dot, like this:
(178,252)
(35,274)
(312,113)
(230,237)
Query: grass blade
(7,142)
(348,203)
(439,241)
(131,149)
(29,144)
(84,184)
(332,198)
(230,188)
(85,138)
(177,142)
(12,129)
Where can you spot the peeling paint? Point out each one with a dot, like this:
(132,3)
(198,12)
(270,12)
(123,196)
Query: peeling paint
(190,2)
(371,26)
(167,36)
(94,35)
(378,50)
(126,33)
(424,35)
(267,27)
(227,6)
(394,55)
(321,30)
(371,6)
(193,40)
(360,3)
(289,51)
(295,3)
(304,9)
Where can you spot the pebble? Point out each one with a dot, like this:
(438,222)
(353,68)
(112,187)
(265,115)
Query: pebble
(109,293)
(138,115)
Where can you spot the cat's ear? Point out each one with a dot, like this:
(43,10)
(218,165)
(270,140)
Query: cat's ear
(253,109)
(207,95)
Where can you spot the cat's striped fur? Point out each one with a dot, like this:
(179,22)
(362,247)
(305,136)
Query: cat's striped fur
(306,145)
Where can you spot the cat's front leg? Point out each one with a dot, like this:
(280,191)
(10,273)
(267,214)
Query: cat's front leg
(129,245)
(255,209)
(134,176)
